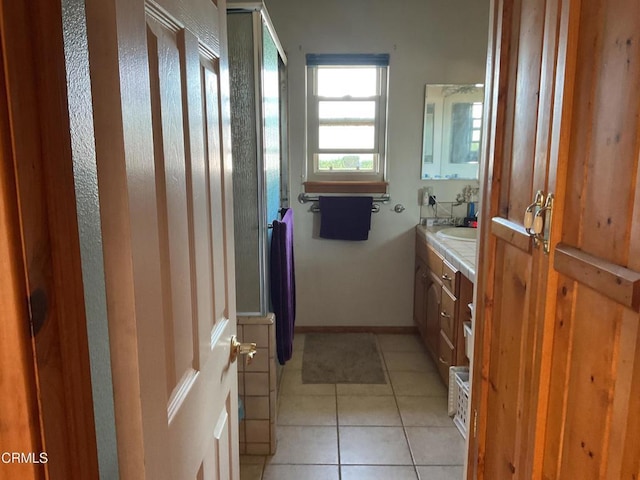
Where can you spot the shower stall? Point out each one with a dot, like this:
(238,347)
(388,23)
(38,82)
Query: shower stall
(257,66)
(257,70)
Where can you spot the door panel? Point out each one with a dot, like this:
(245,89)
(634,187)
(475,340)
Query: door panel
(189,183)
(173,216)
(170,210)
(508,362)
(595,347)
(214,175)
(556,382)
(526,100)
(509,323)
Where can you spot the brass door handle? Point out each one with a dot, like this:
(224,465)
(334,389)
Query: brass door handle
(529,212)
(445,315)
(446,277)
(248,349)
(542,223)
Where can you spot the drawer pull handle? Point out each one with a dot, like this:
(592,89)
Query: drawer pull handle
(446,277)
(443,361)
(445,315)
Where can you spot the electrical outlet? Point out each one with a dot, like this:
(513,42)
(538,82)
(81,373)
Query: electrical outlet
(427,192)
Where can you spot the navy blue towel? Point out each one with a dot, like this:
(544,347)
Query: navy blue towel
(345,218)
(283,285)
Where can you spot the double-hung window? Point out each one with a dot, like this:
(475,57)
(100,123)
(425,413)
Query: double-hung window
(346,117)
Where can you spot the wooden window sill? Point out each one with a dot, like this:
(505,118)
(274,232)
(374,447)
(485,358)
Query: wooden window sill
(345,187)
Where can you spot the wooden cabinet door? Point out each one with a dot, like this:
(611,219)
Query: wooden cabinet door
(556,382)
(433,289)
(419,297)
(506,377)
(591,424)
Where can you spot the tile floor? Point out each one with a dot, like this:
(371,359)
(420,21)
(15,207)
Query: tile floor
(398,431)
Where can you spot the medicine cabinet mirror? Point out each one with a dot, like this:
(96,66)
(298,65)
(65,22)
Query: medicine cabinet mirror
(452,128)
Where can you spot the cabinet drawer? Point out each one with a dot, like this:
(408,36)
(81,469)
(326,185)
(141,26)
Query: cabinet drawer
(434,261)
(448,315)
(445,357)
(450,277)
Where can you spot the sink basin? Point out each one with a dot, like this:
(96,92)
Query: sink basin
(459,233)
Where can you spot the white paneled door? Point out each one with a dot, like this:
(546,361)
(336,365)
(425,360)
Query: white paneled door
(160,89)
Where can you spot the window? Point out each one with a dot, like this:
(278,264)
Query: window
(346,117)
(466,128)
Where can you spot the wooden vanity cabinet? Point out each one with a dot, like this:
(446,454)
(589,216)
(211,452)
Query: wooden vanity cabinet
(419,296)
(433,295)
(441,296)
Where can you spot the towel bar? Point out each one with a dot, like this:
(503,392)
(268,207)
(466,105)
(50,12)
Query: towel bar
(316,208)
(304,198)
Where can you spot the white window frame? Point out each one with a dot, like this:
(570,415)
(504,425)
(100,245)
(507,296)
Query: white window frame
(378,173)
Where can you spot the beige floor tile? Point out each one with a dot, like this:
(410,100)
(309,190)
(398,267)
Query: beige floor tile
(440,473)
(368,472)
(295,362)
(298,341)
(424,411)
(421,384)
(306,445)
(409,362)
(361,389)
(307,410)
(250,471)
(436,445)
(364,389)
(400,343)
(373,446)
(292,385)
(368,410)
(301,472)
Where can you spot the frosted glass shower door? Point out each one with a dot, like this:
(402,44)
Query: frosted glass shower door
(254,59)
(271,125)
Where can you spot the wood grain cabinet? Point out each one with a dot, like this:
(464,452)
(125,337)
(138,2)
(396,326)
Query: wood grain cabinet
(441,296)
(419,296)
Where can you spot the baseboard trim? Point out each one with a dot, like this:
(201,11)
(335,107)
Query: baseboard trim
(357,329)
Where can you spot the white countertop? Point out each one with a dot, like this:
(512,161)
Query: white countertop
(459,253)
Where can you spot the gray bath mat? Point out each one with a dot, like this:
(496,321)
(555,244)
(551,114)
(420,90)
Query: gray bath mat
(341,358)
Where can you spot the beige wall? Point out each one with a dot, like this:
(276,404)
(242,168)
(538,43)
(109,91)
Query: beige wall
(430,41)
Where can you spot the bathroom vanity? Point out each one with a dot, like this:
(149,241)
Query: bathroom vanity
(443,289)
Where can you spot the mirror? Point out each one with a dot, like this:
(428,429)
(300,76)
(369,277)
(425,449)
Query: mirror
(452,128)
